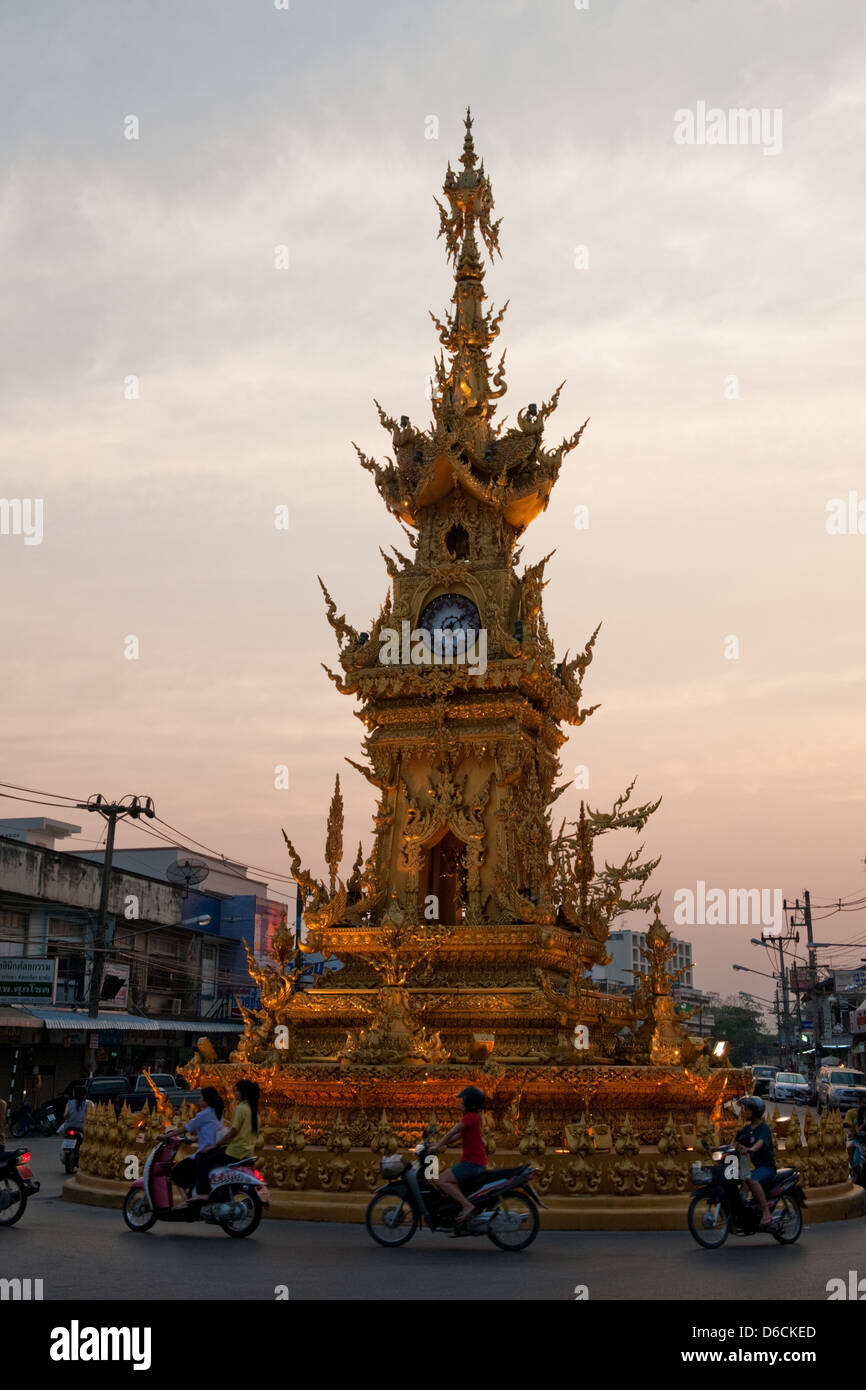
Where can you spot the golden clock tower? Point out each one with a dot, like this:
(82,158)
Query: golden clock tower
(470,930)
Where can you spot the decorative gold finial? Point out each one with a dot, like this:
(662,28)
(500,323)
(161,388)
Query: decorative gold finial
(468,156)
(334,840)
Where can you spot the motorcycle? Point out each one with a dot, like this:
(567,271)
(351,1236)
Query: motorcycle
(506,1203)
(25,1121)
(857,1160)
(70,1144)
(719,1206)
(237,1193)
(17,1183)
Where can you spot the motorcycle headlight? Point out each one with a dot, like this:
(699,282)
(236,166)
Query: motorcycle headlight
(718,1156)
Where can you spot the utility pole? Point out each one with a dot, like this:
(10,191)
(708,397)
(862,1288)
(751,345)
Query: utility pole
(779,1030)
(817,1006)
(786,1015)
(111,812)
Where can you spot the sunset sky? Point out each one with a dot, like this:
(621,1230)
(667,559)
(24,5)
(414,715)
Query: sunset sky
(707,501)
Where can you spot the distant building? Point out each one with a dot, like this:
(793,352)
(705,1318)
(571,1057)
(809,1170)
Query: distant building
(616,978)
(175,967)
(625,947)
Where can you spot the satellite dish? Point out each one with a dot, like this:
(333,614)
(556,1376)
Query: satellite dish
(189,872)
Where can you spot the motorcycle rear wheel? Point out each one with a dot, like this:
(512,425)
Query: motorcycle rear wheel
(403,1223)
(516,1204)
(709,1237)
(137,1211)
(9,1215)
(248,1219)
(789,1218)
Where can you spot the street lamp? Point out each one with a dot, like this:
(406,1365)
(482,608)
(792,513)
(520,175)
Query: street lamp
(751,970)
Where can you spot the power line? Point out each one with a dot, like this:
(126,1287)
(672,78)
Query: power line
(58,805)
(188,842)
(13,786)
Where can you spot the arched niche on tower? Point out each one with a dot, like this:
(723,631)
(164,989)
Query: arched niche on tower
(445,877)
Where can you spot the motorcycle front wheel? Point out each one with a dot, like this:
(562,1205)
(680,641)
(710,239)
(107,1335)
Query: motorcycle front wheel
(137,1211)
(708,1221)
(12,1186)
(390,1219)
(787,1221)
(249,1214)
(516,1204)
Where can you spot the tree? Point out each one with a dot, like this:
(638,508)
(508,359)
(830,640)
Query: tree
(742,1028)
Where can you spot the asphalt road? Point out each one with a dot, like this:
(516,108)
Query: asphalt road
(85,1253)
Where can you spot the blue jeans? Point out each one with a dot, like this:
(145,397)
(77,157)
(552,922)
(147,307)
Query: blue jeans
(463,1171)
(763,1175)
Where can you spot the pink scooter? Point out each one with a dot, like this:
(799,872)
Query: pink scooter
(237,1193)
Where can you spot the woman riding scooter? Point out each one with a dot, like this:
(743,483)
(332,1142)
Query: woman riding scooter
(473,1158)
(205,1125)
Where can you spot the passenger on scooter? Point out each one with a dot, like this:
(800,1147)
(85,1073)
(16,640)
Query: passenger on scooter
(76,1111)
(239,1141)
(205,1125)
(473,1159)
(757,1141)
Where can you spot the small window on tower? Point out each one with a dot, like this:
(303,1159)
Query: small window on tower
(457,542)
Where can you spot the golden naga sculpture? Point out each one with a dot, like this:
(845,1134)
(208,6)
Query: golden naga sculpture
(469,930)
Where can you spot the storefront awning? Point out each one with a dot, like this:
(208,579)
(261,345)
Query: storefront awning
(69,1021)
(18,1018)
(203,1026)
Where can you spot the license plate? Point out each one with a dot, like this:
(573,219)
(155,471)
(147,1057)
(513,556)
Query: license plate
(68,1144)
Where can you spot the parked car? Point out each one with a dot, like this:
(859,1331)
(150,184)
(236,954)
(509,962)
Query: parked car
(839,1088)
(135,1092)
(790,1085)
(762,1078)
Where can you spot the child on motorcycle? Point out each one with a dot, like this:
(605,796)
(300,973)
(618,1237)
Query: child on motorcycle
(473,1159)
(757,1141)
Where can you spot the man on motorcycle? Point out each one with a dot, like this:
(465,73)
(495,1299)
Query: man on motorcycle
(757,1141)
(473,1158)
(855,1122)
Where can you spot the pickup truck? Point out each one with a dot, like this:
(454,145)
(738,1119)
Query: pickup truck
(135,1092)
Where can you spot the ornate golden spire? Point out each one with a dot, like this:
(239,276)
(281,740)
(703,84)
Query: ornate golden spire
(464,385)
(508,470)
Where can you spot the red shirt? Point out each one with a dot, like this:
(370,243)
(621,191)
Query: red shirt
(473,1148)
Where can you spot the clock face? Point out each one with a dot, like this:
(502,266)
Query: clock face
(451,613)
